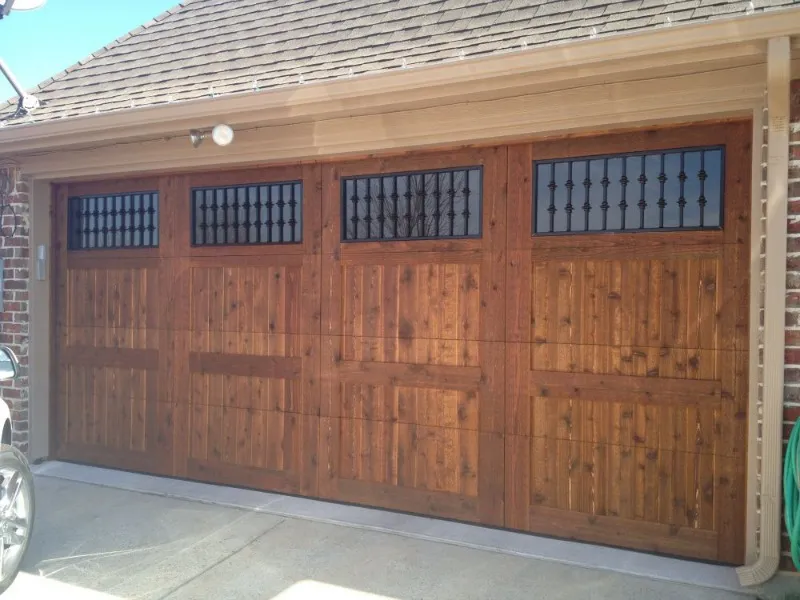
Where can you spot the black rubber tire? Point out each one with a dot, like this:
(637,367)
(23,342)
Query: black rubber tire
(13,458)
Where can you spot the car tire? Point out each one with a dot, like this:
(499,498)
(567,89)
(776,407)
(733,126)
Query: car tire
(12,459)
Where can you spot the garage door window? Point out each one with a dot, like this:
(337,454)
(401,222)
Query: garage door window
(113,221)
(643,191)
(264,213)
(412,206)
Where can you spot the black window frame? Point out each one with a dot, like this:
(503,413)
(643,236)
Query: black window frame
(632,205)
(300,221)
(344,216)
(76,210)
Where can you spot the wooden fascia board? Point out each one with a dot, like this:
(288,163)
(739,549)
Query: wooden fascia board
(631,103)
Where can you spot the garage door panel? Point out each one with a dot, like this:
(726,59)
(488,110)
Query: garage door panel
(635,361)
(109,349)
(111,337)
(244,436)
(467,389)
(145,462)
(437,459)
(627,351)
(587,385)
(602,492)
(639,535)
(265,298)
(653,427)
(731,504)
(281,373)
(662,303)
(603,376)
(396,301)
(118,296)
(435,407)
(255,448)
(106,399)
(444,471)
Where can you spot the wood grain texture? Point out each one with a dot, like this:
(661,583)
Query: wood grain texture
(627,388)
(591,387)
(245,365)
(628,533)
(413,357)
(626,395)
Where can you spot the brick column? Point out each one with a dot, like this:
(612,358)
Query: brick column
(15,251)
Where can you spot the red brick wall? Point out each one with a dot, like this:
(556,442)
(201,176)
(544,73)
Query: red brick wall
(791,411)
(15,251)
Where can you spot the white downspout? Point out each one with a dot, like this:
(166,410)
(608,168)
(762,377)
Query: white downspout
(778,78)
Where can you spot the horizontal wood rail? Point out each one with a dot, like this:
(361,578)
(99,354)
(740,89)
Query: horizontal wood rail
(224,472)
(256,255)
(246,365)
(113,259)
(626,388)
(362,257)
(102,455)
(445,377)
(631,533)
(567,249)
(444,504)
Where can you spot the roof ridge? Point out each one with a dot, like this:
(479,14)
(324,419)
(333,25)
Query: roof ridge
(108,47)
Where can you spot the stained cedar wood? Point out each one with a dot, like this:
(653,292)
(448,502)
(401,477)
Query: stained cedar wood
(693,315)
(245,365)
(94,356)
(637,534)
(354,316)
(59,301)
(640,388)
(411,375)
(386,333)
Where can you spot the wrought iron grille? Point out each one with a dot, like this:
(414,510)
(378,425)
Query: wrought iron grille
(113,221)
(413,206)
(264,213)
(669,190)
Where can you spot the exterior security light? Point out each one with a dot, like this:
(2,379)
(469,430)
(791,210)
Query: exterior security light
(222,135)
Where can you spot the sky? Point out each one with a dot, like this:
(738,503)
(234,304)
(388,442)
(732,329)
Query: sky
(38,44)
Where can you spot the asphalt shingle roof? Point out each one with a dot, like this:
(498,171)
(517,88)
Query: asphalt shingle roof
(205,47)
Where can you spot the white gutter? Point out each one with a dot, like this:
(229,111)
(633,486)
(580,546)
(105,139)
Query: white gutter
(399,82)
(778,78)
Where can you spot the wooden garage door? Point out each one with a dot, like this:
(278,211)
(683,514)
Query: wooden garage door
(247,364)
(412,362)
(468,334)
(627,352)
(111,405)
(196,354)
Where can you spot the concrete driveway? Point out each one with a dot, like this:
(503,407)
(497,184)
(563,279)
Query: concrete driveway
(95,542)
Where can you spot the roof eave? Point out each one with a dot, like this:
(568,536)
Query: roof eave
(57,133)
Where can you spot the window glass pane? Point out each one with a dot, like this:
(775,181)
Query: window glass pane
(262,213)
(115,221)
(673,189)
(419,205)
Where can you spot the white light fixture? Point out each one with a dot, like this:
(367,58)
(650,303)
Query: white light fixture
(221,134)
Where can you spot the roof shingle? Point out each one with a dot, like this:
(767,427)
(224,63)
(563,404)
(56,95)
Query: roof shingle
(232,44)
